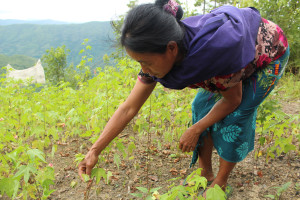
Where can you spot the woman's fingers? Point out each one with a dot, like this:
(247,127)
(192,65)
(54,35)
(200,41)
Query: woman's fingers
(186,148)
(88,169)
(81,169)
(86,166)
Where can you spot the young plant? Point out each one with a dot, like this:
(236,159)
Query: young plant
(279,191)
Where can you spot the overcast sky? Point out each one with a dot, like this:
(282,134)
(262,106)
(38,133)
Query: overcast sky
(64,10)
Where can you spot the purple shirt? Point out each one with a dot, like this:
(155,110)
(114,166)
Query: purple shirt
(218,43)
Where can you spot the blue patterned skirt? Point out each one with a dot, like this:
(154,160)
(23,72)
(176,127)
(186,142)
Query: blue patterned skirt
(233,137)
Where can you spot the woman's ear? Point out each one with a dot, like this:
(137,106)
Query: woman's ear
(172,47)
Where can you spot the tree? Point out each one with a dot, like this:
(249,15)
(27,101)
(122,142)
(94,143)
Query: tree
(56,62)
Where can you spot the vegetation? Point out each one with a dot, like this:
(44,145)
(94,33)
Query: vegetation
(33,123)
(56,60)
(17,61)
(56,70)
(33,40)
(76,105)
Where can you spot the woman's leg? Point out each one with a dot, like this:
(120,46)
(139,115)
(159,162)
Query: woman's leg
(205,153)
(223,174)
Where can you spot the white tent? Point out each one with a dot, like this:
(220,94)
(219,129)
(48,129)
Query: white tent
(36,73)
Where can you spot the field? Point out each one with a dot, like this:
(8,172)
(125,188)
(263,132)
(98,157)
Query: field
(46,130)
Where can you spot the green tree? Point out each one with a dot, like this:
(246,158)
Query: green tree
(84,67)
(117,26)
(199,3)
(56,62)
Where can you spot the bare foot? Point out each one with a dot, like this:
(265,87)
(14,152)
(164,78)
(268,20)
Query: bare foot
(221,183)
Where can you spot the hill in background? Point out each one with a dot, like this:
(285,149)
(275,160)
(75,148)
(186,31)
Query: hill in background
(17,61)
(33,39)
(17,21)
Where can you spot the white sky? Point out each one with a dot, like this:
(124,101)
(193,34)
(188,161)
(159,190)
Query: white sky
(64,10)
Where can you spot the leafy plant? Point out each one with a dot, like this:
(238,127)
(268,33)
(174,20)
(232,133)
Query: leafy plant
(279,191)
(146,194)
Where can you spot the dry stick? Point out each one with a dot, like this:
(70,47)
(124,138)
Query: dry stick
(88,189)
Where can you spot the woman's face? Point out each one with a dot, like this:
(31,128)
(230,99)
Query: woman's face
(156,64)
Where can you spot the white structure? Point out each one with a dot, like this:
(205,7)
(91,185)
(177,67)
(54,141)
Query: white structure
(36,73)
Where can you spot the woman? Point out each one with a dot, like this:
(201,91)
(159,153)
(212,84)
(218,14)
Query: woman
(234,56)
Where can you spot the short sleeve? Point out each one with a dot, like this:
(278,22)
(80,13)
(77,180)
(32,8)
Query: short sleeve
(145,78)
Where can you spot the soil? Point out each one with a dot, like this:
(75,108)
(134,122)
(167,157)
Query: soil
(251,179)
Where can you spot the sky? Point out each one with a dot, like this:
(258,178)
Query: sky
(64,10)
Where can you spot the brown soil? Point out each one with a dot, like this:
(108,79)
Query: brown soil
(251,179)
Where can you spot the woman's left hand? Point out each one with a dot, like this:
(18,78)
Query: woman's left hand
(189,139)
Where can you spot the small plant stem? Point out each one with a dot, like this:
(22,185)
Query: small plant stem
(148,147)
(88,189)
(106,94)
(38,191)
(45,118)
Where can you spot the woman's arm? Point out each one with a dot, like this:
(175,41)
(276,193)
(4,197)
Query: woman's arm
(227,104)
(116,124)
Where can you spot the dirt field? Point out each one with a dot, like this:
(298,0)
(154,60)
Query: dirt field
(250,179)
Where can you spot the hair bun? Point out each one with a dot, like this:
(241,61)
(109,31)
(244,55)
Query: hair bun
(171,6)
(179,13)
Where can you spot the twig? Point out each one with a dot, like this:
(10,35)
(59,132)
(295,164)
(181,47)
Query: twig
(88,189)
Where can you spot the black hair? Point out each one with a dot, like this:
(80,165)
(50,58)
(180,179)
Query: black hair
(149,28)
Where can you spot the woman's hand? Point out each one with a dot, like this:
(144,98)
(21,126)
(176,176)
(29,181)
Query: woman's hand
(189,139)
(86,166)
(116,124)
(230,101)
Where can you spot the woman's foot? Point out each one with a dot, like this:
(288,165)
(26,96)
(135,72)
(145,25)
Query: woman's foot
(227,189)
(223,184)
(209,176)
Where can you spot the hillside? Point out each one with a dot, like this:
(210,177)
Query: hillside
(33,39)
(16,21)
(17,61)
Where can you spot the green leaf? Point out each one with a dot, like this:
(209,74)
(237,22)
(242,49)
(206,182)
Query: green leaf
(81,51)
(215,193)
(262,140)
(46,184)
(25,171)
(289,147)
(131,147)
(36,153)
(98,173)
(283,188)
(73,184)
(88,47)
(79,157)
(85,177)
(9,186)
(47,193)
(142,189)
(54,148)
(155,189)
(270,196)
(121,147)
(137,195)
(173,155)
(109,174)
(117,160)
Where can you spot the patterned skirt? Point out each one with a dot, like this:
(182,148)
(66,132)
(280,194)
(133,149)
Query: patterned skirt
(233,137)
